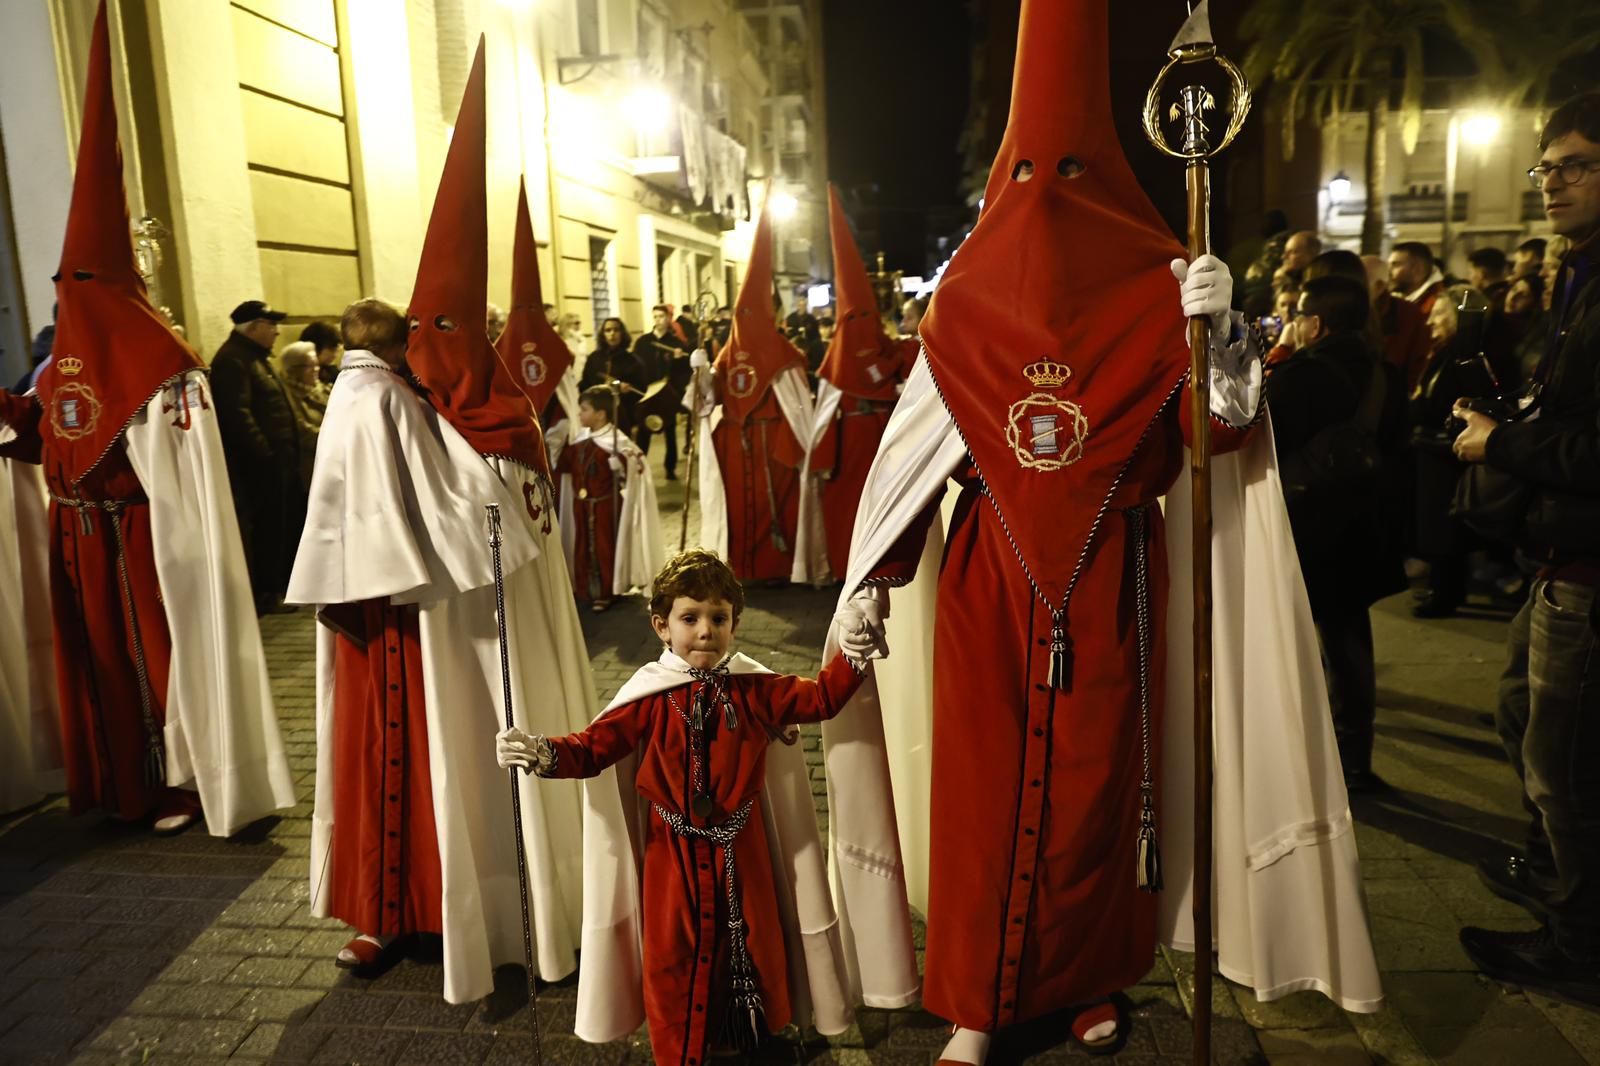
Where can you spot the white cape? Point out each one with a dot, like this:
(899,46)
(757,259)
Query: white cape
(640,551)
(398,511)
(1290,912)
(611,983)
(30,716)
(221,733)
(810,545)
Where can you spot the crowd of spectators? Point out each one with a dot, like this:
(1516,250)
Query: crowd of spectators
(1448,430)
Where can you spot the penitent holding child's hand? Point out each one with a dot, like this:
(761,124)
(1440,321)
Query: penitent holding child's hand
(860,628)
(529,752)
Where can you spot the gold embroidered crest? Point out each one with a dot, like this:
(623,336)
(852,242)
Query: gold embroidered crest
(533,367)
(742,377)
(1046,432)
(74,411)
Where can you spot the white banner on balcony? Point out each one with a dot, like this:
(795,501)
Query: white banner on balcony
(693,131)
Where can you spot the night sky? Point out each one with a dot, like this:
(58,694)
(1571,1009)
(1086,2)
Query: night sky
(897,86)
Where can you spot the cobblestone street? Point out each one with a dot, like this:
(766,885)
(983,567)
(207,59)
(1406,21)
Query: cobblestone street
(117,946)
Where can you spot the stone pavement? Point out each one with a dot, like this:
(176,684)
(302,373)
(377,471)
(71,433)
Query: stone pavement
(116,946)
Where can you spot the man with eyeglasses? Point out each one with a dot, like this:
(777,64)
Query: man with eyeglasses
(1550,691)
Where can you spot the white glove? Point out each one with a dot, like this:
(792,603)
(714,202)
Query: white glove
(615,464)
(860,626)
(698,359)
(527,751)
(1205,287)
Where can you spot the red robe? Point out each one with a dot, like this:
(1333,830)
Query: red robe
(845,453)
(760,460)
(685,930)
(384,878)
(597,508)
(1033,902)
(105,742)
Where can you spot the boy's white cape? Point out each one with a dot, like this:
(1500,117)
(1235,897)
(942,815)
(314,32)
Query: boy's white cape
(1290,912)
(611,980)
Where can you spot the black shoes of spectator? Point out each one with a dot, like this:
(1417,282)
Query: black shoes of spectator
(1515,880)
(1434,606)
(1532,960)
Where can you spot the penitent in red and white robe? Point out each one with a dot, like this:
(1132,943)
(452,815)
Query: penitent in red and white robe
(411,831)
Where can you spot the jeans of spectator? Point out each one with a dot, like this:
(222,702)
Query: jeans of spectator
(669,430)
(1549,721)
(1347,660)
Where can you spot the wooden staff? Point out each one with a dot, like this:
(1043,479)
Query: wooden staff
(1194,45)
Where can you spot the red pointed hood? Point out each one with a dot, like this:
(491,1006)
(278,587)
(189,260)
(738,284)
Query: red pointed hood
(757,351)
(112,350)
(450,353)
(533,353)
(861,357)
(1056,335)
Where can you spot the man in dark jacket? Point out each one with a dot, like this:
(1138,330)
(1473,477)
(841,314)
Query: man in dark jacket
(1550,691)
(262,444)
(1335,390)
(662,354)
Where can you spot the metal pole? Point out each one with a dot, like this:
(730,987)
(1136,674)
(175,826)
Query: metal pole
(516,786)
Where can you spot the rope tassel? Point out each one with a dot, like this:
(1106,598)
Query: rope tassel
(1060,657)
(1149,874)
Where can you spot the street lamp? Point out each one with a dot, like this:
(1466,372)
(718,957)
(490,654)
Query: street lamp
(647,109)
(1480,129)
(1338,188)
(784,206)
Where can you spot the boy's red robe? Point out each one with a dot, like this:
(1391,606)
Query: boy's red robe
(685,946)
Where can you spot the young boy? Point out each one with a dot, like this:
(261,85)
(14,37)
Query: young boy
(721,935)
(610,528)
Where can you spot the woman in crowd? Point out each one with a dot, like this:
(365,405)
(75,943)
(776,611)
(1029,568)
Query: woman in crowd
(613,364)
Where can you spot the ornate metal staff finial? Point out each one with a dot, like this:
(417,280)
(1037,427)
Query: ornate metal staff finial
(1194,44)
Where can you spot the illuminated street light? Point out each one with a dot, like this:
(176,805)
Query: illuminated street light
(1338,187)
(647,108)
(1480,129)
(784,205)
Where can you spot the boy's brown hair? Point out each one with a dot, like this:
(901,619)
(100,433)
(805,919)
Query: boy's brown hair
(699,575)
(601,399)
(371,324)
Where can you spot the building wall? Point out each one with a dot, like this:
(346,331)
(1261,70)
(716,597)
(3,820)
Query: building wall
(295,145)
(1500,206)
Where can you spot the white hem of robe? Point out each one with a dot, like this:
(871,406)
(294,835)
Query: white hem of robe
(30,713)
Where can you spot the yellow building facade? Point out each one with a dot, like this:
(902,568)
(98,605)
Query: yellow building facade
(290,149)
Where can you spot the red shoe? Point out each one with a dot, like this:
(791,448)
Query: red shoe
(1094,1016)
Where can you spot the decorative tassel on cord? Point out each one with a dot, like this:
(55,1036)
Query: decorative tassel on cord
(1149,876)
(744,1026)
(155,763)
(1060,656)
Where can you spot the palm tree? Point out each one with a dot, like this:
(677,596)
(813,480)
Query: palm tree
(1324,54)
(1519,66)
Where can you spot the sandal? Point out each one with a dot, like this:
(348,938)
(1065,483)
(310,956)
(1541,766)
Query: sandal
(362,953)
(600,605)
(1093,1019)
(179,810)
